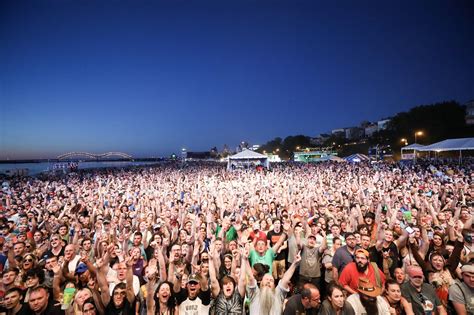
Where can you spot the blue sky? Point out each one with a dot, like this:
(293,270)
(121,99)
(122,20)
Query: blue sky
(150,77)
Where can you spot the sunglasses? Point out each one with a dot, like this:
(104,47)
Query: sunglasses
(28,260)
(122,293)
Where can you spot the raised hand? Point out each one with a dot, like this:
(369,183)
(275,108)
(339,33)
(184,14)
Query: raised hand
(297,258)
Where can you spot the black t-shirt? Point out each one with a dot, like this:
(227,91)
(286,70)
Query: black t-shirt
(50,253)
(377,257)
(126,309)
(294,305)
(273,238)
(50,310)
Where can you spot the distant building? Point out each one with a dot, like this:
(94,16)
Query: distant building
(470,112)
(199,155)
(339,132)
(255,147)
(370,130)
(365,124)
(382,124)
(353,133)
(319,140)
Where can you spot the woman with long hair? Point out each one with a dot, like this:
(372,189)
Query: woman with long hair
(398,304)
(161,301)
(335,303)
(89,308)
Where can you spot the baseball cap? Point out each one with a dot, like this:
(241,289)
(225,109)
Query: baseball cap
(80,269)
(415,271)
(468,268)
(362,251)
(194,278)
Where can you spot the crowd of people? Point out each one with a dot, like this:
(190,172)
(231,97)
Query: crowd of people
(191,239)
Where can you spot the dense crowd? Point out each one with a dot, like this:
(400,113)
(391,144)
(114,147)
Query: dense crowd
(196,239)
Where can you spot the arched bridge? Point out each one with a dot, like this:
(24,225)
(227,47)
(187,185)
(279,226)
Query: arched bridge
(88,155)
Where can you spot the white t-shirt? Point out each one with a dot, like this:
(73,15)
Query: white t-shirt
(193,307)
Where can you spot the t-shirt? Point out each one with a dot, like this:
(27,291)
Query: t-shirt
(199,305)
(259,235)
(327,258)
(377,257)
(424,302)
(341,258)
(359,309)
(50,253)
(273,238)
(266,259)
(309,265)
(460,293)
(294,305)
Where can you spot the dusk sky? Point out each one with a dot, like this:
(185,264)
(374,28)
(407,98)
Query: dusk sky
(150,77)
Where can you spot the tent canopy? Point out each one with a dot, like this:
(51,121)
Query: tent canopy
(247,159)
(413,146)
(247,154)
(450,145)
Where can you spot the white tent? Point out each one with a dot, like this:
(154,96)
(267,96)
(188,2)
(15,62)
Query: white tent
(412,148)
(246,159)
(460,144)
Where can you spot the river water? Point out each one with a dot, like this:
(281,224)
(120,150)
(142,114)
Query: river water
(36,168)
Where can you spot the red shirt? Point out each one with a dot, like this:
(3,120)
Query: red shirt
(350,276)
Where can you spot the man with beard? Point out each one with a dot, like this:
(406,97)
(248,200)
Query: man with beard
(267,299)
(361,268)
(420,294)
(367,299)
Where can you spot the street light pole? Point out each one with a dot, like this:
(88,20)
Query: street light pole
(417,133)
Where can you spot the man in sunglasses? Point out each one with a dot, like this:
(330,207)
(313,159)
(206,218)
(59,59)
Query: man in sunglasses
(420,294)
(57,248)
